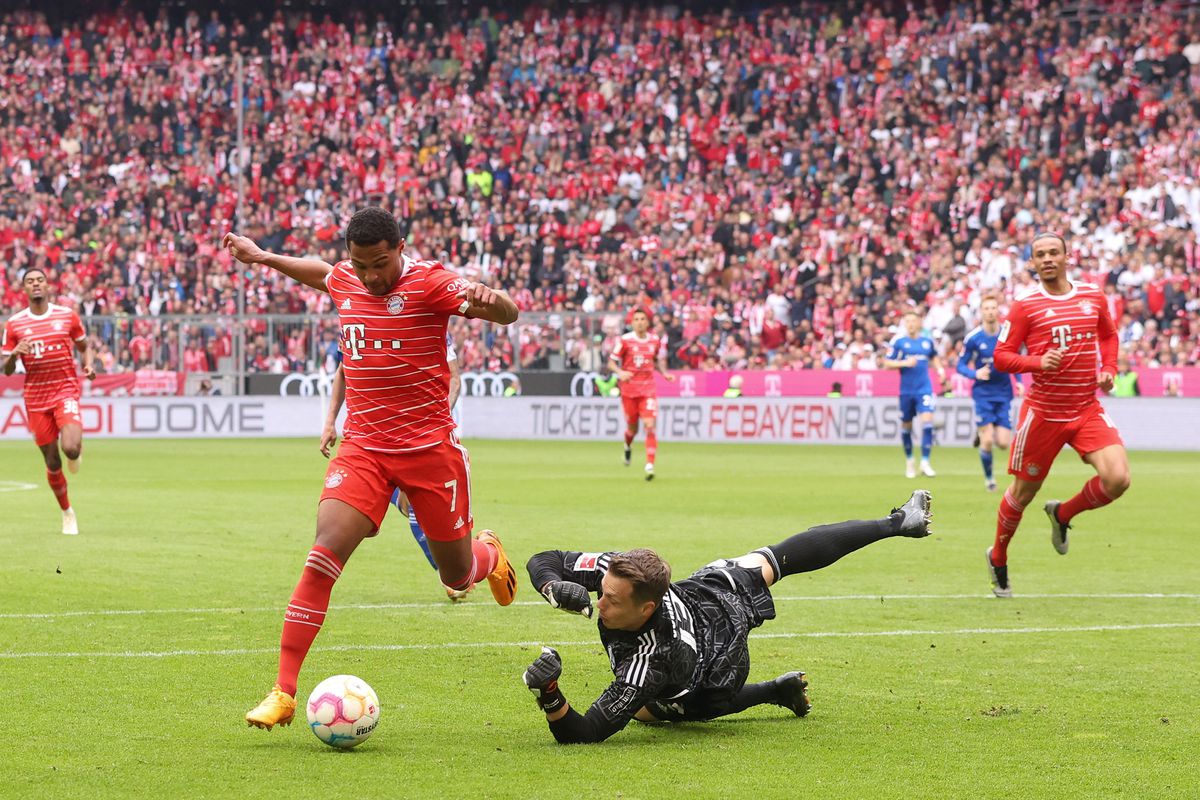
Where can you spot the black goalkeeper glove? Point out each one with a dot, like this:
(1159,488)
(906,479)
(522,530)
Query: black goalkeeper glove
(542,679)
(569,597)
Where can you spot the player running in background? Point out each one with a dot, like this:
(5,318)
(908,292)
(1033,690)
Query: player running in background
(913,354)
(679,651)
(393,313)
(1067,333)
(635,358)
(992,391)
(329,435)
(44,338)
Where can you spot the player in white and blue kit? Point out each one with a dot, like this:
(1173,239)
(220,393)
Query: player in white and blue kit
(913,354)
(992,392)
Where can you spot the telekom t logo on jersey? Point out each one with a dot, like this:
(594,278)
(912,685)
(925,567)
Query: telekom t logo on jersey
(1061,334)
(355,337)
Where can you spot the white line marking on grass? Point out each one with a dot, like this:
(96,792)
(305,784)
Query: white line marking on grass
(118,612)
(16,486)
(356,648)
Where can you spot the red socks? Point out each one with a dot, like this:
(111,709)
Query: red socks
(629,437)
(305,613)
(483,560)
(58,483)
(1007,520)
(1091,496)
(651,444)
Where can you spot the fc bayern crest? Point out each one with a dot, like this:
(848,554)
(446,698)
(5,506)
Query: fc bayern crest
(1033,470)
(1087,306)
(395,305)
(334,479)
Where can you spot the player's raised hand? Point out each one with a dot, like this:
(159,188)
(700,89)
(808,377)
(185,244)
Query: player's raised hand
(624,375)
(544,672)
(243,248)
(983,373)
(1052,359)
(89,372)
(569,596)
(23,347)
(668,377)
(1105,381)
(476,295)
(329,438)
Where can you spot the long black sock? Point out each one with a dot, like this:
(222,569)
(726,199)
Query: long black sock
(819,547)
(752,694)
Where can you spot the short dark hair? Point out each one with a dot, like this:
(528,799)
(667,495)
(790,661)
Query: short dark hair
(1049,235)
(372,225)
(31,270)
(645,570)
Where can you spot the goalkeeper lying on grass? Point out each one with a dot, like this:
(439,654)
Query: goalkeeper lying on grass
(679,650)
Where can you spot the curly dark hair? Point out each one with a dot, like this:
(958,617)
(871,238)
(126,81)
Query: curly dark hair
(372,225)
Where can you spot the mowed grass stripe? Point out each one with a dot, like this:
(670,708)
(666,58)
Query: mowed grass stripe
(496,645)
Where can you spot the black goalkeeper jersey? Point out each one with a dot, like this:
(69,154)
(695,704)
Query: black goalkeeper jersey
(693,649)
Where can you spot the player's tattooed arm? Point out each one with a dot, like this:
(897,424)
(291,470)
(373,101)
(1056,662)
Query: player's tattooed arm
(309,271)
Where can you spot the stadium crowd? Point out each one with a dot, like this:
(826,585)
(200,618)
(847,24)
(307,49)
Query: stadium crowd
(777,186)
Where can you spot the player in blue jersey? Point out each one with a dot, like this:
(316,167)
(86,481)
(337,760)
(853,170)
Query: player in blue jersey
(913,354)
(993,391)
(337,396)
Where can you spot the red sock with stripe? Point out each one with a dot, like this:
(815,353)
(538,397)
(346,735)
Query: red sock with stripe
(1091,496)
(1007,519)
(58,484)
(305,613)
(483,560)
(651,445)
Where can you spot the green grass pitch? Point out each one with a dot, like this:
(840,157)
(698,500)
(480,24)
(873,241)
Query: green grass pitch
(924,686)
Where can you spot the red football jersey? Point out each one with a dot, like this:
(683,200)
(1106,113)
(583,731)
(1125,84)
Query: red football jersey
(394,355)
(50,374)
(1077,321)
(638,356)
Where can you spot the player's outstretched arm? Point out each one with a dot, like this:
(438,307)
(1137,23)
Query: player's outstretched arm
(483,302)
(309,271)
(610,713)
(1008,356)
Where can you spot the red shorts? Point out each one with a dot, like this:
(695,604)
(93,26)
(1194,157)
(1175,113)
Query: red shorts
(639,408)
(1036,442)
(46,425)
(437,481)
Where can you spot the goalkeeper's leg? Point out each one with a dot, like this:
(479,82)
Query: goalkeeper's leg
(817,548)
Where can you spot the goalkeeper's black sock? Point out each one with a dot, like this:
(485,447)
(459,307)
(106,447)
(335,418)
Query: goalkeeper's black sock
(819,547)
(752,694)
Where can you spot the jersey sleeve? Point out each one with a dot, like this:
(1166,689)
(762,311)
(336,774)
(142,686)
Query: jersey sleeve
(77,332)
(964,367)
(897,351)
(9,340)
(441,291)
(586,569)
(1007,356)
(618,351)
(610,713)
(1106,332)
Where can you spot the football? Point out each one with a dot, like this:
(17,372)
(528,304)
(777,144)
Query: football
(343,711)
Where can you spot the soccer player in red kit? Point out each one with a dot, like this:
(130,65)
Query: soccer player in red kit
(1071,346)
(44,337)
(393,312)
(636,357)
